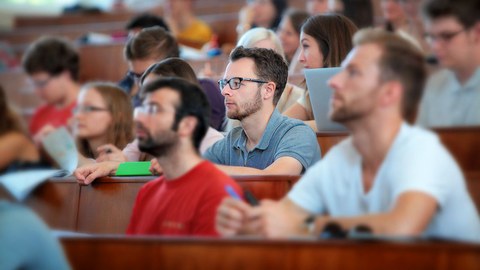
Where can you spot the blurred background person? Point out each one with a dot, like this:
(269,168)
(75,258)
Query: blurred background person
(397,21)
(185,26)
(103,115)
(52,65)
(260,13)
(18,150)
(26,242)
(325,42)
(289,33)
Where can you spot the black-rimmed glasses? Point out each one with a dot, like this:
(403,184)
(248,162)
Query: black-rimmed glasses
(236,82)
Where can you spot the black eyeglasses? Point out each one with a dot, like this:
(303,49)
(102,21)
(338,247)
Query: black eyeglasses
(135,76)
(39,84)
(87,109)
(443,37)
(236,82)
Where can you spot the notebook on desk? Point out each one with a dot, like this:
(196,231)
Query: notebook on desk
(320,94)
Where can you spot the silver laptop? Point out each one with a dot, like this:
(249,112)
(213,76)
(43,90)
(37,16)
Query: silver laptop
(320,94)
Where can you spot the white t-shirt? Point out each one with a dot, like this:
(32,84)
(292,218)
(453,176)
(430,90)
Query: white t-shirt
(417,161)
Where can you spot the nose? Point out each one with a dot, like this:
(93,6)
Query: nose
(226,91)
(301,56)
(335,81)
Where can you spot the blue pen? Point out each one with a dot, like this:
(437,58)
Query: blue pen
(232,192)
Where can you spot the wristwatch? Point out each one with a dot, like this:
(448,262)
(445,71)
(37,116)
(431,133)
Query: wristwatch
(309,224)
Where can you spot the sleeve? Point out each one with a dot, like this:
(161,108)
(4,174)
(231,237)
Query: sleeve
(304,101)
(307,192)
(300,142)
(27,243)
(131,151)
(215,153)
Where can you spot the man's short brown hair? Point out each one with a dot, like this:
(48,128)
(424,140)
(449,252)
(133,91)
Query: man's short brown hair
(151,43)
(269,66)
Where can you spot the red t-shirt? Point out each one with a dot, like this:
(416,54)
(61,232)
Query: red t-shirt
(183,206)
(50,115)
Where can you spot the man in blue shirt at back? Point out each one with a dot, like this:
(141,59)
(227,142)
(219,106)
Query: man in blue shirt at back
(266,142)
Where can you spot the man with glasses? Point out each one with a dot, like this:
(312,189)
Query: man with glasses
(52,65)
(266,142)
(388,177)
(144,49)
(452,95)
(170,126)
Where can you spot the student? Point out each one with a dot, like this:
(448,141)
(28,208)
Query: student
(103,115)
(18,150)
(25,241)
(395,179)
(154,44)
(185,26)
(289,34)
(52,65)
(265,38)
(261,13)
(170,126)
(325,41)
(144,20)
(452,95)
(145,48)
(266,142)
(110,156)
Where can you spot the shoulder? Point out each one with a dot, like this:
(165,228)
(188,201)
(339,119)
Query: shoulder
(439,80)
(292,125)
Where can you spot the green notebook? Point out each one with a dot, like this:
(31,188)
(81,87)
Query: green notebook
(135,168)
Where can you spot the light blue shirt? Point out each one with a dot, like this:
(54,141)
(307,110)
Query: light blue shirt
(447,103)
(283,137)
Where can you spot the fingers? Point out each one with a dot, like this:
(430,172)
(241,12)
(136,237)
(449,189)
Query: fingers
(155,167)
(231,218)
(109,152)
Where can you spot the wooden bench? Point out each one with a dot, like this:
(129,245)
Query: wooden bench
(106,205)
(104,252)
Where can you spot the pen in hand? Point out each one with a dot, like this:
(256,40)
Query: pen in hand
(248,195)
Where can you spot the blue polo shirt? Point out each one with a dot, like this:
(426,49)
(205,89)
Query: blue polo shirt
(283,137)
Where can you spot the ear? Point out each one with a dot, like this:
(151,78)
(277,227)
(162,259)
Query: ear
(476,32)
(269,92)
(187,126)
(391,93)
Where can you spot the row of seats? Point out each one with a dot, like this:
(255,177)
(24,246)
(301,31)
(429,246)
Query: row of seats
(105,206)
(119,252)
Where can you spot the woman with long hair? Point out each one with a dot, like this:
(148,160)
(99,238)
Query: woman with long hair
(18,150)
(103,115)
(325,42)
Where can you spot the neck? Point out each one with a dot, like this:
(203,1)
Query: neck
(71,93)
(254,125)
(464,73)
(373,139)
(179,161)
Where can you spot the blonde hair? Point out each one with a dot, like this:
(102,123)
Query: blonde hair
(258,34)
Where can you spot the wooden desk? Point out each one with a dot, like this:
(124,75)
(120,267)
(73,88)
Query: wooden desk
(102,252)
(106,205)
